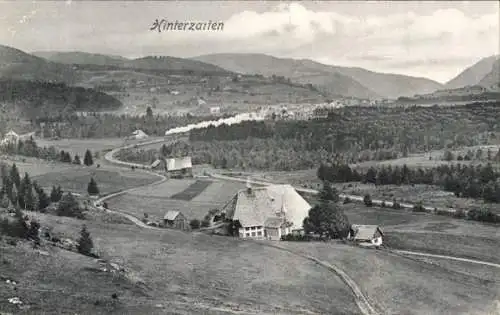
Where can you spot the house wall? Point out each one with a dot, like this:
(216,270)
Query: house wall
(273,234)
(255,232)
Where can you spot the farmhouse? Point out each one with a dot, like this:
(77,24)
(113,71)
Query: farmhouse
(366,235)
(10,138)
(215,110)
(268,212)
(179,167)
(176,220)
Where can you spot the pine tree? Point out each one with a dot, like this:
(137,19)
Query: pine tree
(85,243)
(87,160)
(92,188)
(33,232)
(14,175)
(69,207)
(24,195)
(54,196)
(43,199)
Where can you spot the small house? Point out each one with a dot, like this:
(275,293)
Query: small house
(366,235)
(176,220)
(179,167)
(138,135)
(215,110)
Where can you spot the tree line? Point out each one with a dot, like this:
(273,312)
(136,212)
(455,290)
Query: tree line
(30,148)
(467,181)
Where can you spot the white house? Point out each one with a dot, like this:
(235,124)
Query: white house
(174,92)
(179,167)
(10,138)
(201,102)
(138,134)
(366,235)
(268,212)
(215,110)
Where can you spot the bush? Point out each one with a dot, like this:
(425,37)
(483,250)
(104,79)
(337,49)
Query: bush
(205,223)
(418,207)
(483,215)
(347,200)
(368,200)
(383,205)
(194,224)
(395,204)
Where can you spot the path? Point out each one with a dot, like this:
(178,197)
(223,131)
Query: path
(473,261)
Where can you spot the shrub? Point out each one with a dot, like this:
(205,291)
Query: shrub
(205,223)
(368,200)
(347,200)
(194,224)
(418,207)
(383,205)
(483,215)
(396,204)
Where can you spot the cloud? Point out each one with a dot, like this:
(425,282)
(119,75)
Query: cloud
(385,40)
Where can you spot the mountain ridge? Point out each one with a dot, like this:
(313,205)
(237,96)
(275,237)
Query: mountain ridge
(379,84)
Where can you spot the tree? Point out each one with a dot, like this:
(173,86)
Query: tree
(328,193)
(14,175)
(327,220)
(149,112)
(85,243)
(92,188)
(87,159)
(194,224)
(76,160)
(56,194)
(69,207)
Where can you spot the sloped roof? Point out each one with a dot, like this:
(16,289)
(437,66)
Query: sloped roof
(274,222)
(365,232)
(263,203)
(171,215)
(176,164)
(156,163)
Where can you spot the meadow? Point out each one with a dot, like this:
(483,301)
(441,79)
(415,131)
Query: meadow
(193,198)
(76,179)
(182,273)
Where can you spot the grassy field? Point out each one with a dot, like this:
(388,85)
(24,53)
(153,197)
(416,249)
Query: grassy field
(185,273)
(76,179)
(192,190)
(400,285)
(158,199)
(430,233)
(36,167)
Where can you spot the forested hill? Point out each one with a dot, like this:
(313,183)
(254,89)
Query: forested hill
(32,99)
(388,132)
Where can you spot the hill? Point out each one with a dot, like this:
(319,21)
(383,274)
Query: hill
(79,57)
(32,99)
(172,63)
(492,79)
(473,74)
(17,64)
(355,82)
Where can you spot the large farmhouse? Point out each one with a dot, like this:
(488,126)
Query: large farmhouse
(179,167)
(268,212)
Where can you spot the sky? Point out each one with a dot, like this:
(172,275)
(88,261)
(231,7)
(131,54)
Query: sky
(433,39)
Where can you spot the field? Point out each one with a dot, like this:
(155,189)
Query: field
(400,285)
(181,273)
(193,198)
(430,233)
(76,179)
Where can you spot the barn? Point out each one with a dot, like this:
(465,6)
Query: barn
(176,220)
(366,235)
(179,167)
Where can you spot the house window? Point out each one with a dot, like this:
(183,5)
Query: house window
(259,233)
(248,234)
(247,228)
(253,233)
(253,227)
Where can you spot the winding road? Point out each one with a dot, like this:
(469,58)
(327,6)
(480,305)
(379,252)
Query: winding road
(361,299)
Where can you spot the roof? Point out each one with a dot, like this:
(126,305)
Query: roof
(268,202)
(365,232)
(156,163)
(176,164)
(171,215)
